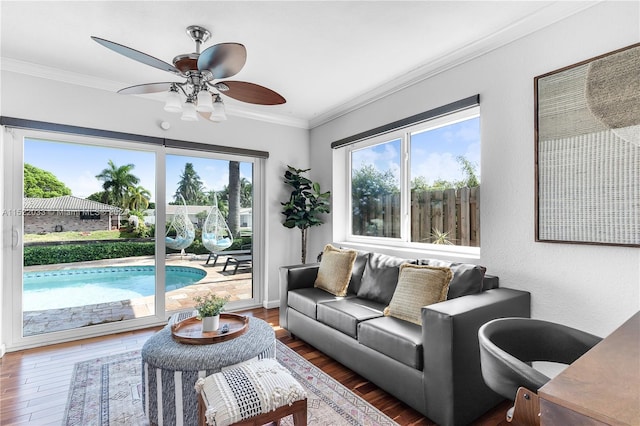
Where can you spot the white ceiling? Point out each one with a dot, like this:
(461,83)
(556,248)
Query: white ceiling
(324,57)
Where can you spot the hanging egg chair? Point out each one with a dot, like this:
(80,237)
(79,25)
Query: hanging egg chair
(185,232)
(216,235)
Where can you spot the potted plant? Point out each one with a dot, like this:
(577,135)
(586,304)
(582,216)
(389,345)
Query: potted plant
(305,204)
(209,308)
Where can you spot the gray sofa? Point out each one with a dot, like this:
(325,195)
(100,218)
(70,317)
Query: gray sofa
(434,368)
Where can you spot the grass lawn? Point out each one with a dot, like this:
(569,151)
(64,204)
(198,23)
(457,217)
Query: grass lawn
(77,236)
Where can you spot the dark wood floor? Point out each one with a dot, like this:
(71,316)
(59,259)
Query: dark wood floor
(34,383)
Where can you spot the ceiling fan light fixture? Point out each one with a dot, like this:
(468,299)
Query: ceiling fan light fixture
(173,102)
(189,110)
(205,102)
(218,113)
(199,70)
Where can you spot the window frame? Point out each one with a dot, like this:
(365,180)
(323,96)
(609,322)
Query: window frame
(404,134)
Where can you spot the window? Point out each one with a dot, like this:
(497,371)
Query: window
(419,184)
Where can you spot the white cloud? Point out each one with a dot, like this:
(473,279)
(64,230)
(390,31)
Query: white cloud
(436,166)
(84,184)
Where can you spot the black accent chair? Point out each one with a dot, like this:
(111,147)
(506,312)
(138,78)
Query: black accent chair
(508,346)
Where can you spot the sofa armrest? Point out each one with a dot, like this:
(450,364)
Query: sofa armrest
(291,278)
(452,354)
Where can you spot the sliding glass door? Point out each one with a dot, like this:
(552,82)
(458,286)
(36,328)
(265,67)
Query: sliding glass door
(83,215)
(88,254)
(209,217)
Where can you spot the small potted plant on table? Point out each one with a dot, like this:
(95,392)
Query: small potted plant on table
(209,308)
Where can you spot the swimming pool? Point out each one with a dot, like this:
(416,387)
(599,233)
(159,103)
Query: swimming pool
(88,286)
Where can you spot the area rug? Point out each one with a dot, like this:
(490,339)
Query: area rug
(108,391)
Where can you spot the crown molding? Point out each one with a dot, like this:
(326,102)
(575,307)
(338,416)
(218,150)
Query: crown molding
(542,18)
(239,111)
(70,77)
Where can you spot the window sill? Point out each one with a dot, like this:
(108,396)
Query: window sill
(450,253)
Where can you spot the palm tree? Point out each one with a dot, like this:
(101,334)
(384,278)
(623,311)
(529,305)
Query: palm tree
(221,196)
(138,198)
(190,186)
(233,221)
(246,193)
(117,181)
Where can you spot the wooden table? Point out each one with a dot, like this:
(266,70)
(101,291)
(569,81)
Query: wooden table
(602,387)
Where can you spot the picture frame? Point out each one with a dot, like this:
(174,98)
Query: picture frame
(587,151)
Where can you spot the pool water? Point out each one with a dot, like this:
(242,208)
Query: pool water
(90,286)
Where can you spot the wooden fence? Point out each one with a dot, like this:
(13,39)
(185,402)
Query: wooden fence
(450,216)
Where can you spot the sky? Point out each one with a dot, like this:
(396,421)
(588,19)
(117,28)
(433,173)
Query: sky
(433,153)
(77,165)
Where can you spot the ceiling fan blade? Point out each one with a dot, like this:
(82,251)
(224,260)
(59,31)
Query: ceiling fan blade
(136,55)
(223,60)
(251,93)
(143,89)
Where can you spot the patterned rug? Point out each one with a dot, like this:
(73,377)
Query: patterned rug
(108,391)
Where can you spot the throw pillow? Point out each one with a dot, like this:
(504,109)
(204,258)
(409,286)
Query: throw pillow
(467,278)
(335,269)
(380,277)
(418,286)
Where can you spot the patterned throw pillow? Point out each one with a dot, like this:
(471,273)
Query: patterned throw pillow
(418,286)
(335,270)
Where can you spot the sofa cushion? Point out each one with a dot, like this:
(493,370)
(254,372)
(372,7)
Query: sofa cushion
(467,278)
(397,339)
(344,315)
(358,269)
(335,269)
(418,286)
(304,300)
(380,277)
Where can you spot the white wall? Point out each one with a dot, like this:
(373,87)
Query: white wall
(594,288)
(46,100)
(6,237)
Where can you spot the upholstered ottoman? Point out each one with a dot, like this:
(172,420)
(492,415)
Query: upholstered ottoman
(253,393)
(170,369)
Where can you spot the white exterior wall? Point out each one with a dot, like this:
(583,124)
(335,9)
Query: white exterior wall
(594,288)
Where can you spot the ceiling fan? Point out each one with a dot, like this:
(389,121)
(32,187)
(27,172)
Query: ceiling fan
(200,90)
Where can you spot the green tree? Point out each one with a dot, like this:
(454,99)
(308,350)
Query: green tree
(117,181)
(470,179)
(306,204)
(469,169)
(223,205)
(368,186)
(246,193)
(420,183)
(138,197)
(102,197)
(190,187)
(39,183)
(367,181)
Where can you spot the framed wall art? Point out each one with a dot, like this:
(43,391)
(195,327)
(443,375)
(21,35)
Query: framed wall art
(587,151)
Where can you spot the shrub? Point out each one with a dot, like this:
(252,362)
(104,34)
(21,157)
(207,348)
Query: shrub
(67,253)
